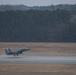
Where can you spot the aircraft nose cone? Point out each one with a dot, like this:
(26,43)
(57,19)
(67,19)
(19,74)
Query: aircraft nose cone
(29,49)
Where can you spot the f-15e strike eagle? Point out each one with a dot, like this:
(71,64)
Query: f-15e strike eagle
(10,52)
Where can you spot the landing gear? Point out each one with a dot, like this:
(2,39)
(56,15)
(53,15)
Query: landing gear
(14,54)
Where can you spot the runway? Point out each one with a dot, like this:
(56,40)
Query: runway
(38,59)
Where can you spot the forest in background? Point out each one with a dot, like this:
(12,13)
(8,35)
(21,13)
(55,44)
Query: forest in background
(38,24)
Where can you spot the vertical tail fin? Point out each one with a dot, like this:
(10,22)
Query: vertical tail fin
(6,51)
(9,50)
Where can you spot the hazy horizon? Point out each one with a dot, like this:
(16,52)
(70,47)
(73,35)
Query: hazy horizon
(36,2)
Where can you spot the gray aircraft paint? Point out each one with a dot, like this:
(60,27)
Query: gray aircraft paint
(17,52)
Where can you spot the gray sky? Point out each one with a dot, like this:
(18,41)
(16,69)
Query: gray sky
(37,2)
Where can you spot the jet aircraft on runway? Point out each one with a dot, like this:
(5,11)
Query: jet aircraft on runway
(10,52)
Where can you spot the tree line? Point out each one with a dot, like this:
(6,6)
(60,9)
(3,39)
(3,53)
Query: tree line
(37,26)
(69,7)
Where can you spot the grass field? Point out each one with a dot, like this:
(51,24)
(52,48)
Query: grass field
(39,69)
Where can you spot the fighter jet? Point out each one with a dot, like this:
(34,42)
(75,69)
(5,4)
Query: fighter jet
(10,52)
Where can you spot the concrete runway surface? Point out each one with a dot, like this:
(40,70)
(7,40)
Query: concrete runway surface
(38,59)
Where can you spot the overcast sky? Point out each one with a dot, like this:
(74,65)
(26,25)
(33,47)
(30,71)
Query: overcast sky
(37,2)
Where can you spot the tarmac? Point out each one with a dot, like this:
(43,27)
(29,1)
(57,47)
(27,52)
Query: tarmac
(38,59)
